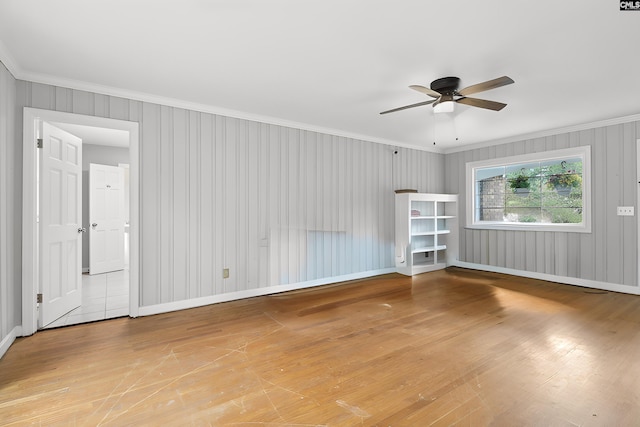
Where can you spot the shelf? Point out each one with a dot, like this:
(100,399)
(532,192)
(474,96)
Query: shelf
(423,263)
(427,240)
(426,233)
(429,249)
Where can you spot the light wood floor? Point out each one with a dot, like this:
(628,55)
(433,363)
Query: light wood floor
(453,347)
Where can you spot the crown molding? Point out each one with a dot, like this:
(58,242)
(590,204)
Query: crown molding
(14,68)
(545,133)
(21,74)
(9,61)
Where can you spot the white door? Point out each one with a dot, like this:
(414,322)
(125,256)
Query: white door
(60,223)
(106,218)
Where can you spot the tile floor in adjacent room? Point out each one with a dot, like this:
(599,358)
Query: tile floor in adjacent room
(104,296)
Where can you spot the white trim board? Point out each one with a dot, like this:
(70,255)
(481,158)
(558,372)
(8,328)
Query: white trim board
(9,339)
(29,205)
(232,296)
(544,133)
(250,293)
(8,60)
(583,151)
(206,108)
(575,281)
(638,213)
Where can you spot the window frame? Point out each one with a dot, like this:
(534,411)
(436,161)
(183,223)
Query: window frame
(584,152)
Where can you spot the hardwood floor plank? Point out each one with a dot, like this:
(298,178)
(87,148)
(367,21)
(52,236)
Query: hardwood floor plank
(453,347)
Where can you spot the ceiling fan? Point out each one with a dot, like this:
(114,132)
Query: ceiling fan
(445,90)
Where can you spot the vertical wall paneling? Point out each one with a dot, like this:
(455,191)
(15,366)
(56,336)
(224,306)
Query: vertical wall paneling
(492,248)
(116,108)
(608,254)
(230,201)
(275,205)
(166,204)
(62,98)
(309,171)
(10,198)
(5,321)
(560,249)
(629,186)
(530,252)
(613,238)
(252,242)
(291,173)
(262,212)
(13,202)
(308,163)
(325,231)
(179,218)
(539,255)
(599,209)
(218,217)
(150,226)
(205,226)
(573,255)
(101,108)
(81,102)
(194,185)
(587,241)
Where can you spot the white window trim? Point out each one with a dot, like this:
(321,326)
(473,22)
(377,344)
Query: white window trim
(585,227)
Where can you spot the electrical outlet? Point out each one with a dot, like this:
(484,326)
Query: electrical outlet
(625,211)
(225,273)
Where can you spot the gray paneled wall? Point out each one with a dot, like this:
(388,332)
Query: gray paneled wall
(10,199)
(608,254)
(275,205)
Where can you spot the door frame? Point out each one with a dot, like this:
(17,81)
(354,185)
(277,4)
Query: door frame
(30,267)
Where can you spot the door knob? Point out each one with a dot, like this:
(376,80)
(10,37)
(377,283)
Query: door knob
(94,225)
(82,230)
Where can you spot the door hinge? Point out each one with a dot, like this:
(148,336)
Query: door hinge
(39,142)
(39,298)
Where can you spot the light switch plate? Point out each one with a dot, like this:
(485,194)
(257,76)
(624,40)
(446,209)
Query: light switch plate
(225,273)
(625,211)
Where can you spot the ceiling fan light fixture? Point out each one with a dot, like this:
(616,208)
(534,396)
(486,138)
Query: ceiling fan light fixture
(446,93)
(444,107)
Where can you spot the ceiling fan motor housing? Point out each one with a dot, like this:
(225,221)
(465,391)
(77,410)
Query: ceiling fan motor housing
(446,85)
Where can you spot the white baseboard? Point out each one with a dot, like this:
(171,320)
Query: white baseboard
(250,293)
(594,284)
(9,339)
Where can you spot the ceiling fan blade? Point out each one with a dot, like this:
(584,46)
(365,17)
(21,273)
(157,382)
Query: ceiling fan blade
(432,93)
(408,106)
(481,87)
(482,103)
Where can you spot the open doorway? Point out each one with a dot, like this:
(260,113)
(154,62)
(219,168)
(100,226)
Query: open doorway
(126,280)
(105,221)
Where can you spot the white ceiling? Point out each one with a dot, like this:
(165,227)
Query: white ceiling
(333,65)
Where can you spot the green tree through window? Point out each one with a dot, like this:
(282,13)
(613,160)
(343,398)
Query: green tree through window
(546,191)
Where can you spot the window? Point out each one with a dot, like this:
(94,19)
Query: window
(547,191)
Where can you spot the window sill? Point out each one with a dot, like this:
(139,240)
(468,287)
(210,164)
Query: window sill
(560,228)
